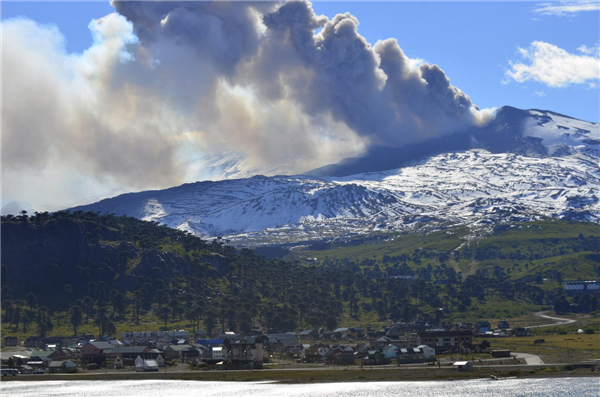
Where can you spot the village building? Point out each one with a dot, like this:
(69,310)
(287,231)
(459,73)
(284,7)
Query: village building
(94,352)
(375,357)
(313,353)
(442,340)
(463,365)
(128,352)
(418,354)
(181,352)
(145,365)
(10,341)
(340,355)
(278,342)
(580,287)
(62,367)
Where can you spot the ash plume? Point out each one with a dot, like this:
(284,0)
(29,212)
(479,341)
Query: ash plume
(168,82)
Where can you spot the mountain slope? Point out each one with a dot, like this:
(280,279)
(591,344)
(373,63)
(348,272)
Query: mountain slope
(531,165)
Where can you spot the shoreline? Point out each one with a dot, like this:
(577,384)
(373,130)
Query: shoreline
(325,376)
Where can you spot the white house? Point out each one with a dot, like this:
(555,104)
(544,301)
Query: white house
(463,365)
(219,353)
(146,365)
(428,352)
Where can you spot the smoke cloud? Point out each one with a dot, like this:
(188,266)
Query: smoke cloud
(167,83)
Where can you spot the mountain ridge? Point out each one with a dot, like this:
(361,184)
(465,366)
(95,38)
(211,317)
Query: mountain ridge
(530,164)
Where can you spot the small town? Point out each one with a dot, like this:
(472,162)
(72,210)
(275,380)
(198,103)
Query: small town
(460,346)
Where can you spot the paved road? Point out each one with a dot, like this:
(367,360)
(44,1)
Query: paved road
(557,320)
(530,359)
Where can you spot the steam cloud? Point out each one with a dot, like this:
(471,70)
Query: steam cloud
(167,82)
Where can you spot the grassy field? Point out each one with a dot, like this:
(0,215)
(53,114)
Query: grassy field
(556,349)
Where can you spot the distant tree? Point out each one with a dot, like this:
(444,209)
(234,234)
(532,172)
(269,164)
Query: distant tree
(88,303)
(31,300)
(210,320)
(163,314)
(105,326)
(75,317)
(331,323)
(16,316)
(3,274)
(118,303)
(25,320)
(8,308)
(44,321)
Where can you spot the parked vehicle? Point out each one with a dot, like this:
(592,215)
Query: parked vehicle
(39,371)
(9,371)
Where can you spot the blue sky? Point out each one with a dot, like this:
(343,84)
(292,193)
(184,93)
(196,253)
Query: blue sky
(472,42)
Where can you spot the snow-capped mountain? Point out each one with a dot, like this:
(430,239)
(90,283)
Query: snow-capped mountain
(523,165)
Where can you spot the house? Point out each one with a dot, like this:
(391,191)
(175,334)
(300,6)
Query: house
(500,353)
(62,367)
(375,357)
(181,352)
(483,326)
(10,341)
(580,287)
(94,352)
(418,354)
(428,352)
(380,343)
(521,331)
(342,333)
(119,363)
(247,352)
(37,355)
(340,355)
(128,352)
(463,365)
(313,353)
(215,355)
(503,324)
(442,340)
(145,365)
(308,334)
(410,355)
(34,341)
(390,351)
(283,340)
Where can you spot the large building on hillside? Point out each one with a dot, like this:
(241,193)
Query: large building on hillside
(575,287)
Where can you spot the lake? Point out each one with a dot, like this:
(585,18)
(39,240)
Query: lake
(557,387)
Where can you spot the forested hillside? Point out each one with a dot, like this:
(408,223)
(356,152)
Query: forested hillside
(63,272)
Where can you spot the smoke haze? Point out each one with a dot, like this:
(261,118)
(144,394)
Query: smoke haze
(167,83)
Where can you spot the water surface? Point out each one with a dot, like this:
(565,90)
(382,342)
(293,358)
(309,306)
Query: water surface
(563,387)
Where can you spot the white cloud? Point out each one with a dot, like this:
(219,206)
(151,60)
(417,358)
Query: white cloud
(553,66)
(539,93)
(566,8)
(594,50)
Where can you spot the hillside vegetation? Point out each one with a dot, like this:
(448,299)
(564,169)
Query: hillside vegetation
(86,272)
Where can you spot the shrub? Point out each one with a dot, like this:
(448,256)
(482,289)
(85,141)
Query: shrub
(589,331)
